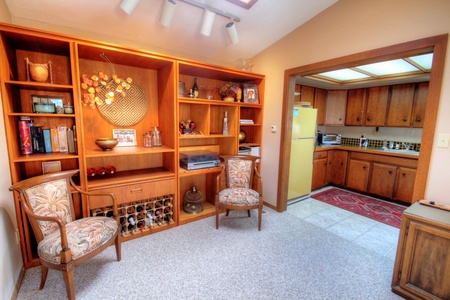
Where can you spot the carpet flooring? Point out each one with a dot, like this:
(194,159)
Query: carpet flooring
(288,259)
(381,211)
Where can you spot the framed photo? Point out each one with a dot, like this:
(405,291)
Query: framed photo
(47,104)
(126,137)
(51,167)
(251,93)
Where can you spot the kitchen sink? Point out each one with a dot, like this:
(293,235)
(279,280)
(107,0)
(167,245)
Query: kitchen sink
(402,151)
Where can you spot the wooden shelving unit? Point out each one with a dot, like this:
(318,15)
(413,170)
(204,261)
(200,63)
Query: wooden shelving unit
(143,175)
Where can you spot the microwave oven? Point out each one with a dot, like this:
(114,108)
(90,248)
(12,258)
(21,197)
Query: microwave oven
(331,139)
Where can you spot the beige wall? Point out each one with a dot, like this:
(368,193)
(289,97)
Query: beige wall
(348,27)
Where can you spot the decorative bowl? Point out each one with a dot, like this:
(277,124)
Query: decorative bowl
(39,72)
(106,144)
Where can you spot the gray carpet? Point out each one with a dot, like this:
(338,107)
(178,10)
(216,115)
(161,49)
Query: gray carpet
(288,259)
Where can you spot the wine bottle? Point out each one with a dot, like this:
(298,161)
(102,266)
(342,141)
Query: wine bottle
(195,88)
(149,220)
(225,124)
(131,220)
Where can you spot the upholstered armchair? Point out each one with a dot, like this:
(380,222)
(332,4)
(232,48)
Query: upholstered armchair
(239,186)
(63,241)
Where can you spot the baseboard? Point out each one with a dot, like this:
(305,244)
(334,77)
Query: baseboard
(18,284)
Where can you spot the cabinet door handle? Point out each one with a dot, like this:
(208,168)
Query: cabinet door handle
(364,167)
(369,119)
(136,191)
(358,119)
(403,173)
(390,171)
(405,119)
(418,119)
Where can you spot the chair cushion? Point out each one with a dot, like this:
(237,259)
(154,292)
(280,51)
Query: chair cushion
(239,172)
(239,196)
(84,236)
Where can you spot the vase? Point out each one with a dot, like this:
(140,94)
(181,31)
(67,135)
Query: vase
(188,130)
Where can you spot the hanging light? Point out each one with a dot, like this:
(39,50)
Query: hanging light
(208,20)
(128,5)
(168,12)
(232,32)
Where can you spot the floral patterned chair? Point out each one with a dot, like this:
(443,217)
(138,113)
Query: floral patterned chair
(239,186)
(63,242)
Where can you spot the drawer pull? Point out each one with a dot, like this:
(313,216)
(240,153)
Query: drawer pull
(136,191)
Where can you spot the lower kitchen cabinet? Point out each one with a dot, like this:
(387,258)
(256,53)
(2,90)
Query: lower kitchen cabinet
(358,174)
(422,264)
(404,187)
(382,180)
(337,167)
(319,177)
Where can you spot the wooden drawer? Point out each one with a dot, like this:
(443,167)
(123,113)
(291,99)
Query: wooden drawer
(320,154)
(134,192)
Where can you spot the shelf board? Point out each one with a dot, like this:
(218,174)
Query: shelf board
(45,157)
(186,173)
(208,211)
(37,115)
(126,177)
(41,86)
(122,151)
(206,136)
(249,125)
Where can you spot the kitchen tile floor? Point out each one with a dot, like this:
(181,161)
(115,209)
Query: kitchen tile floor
(368,233)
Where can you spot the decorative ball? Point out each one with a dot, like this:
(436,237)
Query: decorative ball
(39,72)
(242,136)
(106,144)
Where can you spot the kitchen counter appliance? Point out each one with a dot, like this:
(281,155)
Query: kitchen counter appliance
(331,139)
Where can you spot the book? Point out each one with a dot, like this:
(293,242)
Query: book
(37,139)
(55,139)
(62,137)
(47,141)
(70,141)
(25,137)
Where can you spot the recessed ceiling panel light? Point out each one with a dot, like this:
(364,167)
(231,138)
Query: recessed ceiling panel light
(425,60)
(344,74)
(388,67)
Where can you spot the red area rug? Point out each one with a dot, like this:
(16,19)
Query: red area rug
(381,211)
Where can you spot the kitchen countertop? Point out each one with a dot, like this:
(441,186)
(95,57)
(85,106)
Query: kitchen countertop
(390,152)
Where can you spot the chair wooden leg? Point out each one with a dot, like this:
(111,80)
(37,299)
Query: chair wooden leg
(44,271)
(118,247)
(217,216)
(228,211)
(69,280)
(248,211)
(259,217)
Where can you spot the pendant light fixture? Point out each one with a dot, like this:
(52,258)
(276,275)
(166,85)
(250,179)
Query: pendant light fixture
(128,5)
(232,32)
(208,20)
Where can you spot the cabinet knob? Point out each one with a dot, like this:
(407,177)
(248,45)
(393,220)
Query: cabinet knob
(325,164)
(403,174)
(340,119)
(418,119)
(364,167)
(405,119)
(369,119)
(320,154)
(390,171)
(358,119)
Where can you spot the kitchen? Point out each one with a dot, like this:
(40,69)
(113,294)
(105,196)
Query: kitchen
(386,113)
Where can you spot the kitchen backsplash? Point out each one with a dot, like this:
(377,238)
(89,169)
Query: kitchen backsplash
(372,143)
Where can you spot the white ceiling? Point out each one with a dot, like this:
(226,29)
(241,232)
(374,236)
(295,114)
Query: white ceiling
(261,26)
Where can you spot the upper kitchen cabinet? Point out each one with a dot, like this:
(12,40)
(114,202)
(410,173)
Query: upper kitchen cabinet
(336,107)
(401,105)
(320,102)
(420,103)
(367,107)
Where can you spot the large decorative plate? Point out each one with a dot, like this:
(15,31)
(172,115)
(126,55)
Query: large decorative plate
(125,111)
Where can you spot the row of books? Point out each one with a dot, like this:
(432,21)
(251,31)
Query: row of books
(37,139)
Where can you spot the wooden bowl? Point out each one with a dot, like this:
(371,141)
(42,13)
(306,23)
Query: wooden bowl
(106,144)
(39,72)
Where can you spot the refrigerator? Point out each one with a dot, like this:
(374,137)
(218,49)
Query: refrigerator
(304,128)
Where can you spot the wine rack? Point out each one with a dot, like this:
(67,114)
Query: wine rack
(141,216)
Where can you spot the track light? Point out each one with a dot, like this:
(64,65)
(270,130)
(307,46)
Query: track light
(208,20)
(232,32)
(168,11)
(129,5)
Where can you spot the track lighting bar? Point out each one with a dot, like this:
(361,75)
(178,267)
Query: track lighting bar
(215,10)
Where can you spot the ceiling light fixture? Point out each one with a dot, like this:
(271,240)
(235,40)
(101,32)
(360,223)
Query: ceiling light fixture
(232,32)
(208,20)
(128,5)
(168,12)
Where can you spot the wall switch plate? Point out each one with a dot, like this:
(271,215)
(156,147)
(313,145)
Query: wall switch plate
(443,140)
(273,128)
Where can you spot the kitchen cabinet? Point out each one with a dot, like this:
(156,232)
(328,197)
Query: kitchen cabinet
(404,185)
(320,100)
(320,166)
(401,105)
(336,107)
(421,269)
(297,93)
(358,174)
(306,94)
(337,167)
(420,103)
(367,107)
(382,180)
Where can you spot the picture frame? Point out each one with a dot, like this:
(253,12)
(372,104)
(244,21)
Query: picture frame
(47,104)
(51,167)
(251,93)
(126,137)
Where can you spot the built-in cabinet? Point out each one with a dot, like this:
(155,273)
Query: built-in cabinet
(146,180)
(367,107)
(320,101)
(336,107)
(337,167)
(401,105)
(320,166)
(421,269)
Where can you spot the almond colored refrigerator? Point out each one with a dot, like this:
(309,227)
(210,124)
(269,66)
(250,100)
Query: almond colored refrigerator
(304,129)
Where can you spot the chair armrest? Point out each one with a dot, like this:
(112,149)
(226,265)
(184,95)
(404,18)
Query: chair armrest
(220,181)
(257,182)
